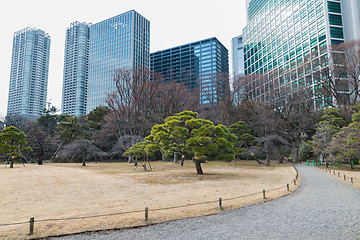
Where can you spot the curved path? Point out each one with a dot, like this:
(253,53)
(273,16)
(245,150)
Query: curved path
(322,208)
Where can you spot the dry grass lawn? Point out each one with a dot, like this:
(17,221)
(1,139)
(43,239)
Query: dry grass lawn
(56,191)
(355,174)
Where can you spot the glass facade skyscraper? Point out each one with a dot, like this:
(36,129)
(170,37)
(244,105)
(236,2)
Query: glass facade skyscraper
(197,65)
(76,68)
(288,42)
(120,42)
(29,73)
(237,56)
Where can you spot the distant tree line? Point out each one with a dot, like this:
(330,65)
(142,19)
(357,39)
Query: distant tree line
(159,120)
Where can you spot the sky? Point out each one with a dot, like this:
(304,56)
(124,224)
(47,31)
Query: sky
(172,23)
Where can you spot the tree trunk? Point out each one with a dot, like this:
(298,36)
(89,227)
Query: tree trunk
(162,155)
(175,158)
(259,161)
(12,163)
(130,159)
(83,162)
(182,161)
(296,155)
(267,158)
(198,166)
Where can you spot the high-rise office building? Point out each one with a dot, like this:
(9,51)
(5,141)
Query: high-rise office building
(76,68)
(29,73)
(120,42)
(237,56)
(289,43)
(198,65)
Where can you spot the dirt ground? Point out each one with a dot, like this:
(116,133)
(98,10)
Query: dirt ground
(58,191)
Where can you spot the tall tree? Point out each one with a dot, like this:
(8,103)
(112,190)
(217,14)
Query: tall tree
(173,97)
(171,136)
(244,138)
(210,141)
(39,140)
(12,143)
(51,120)
(346,142)
(95,117)
(340,82)
(330,124)
(186,133)
(15,120)
(132,101)
(74,128)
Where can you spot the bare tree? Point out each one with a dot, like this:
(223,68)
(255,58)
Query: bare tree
(297,119)
(142,99)
(173,97)
(38,139)
(339,81)
(352,66)
(226,110)
(132,101)
(81,149)
(16,120)
(124,143)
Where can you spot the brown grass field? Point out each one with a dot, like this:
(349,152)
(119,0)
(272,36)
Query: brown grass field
(346,170)
(57,191)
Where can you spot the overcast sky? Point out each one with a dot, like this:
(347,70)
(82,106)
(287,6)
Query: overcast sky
(172,23)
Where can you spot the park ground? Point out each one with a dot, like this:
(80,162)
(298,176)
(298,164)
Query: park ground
(347,171)
(58,191)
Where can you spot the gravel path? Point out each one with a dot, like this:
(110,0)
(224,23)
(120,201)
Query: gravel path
(322,208)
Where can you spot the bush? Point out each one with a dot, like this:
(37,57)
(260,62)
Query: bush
(305,151)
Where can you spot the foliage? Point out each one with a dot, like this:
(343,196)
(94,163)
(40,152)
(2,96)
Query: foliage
(96,116)
(138,150)
(210,141)
(305,151)
(171,136)
(51,120)
(186,133)
(244,139)
(39,140)
(281,124)
(345,145)
(330,124)
(13,142)
(72,129)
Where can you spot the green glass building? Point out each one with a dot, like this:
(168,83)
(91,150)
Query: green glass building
(287,44)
